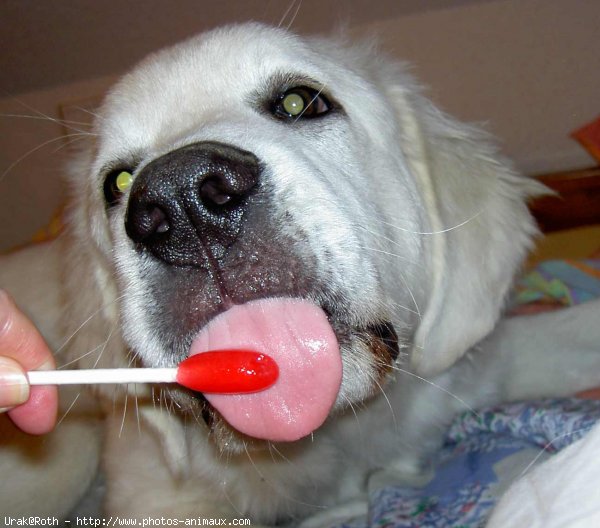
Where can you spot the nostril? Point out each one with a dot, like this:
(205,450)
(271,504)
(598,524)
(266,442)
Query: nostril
(155,220)
(160,220)
(147,221)
(192,201)
(213,194)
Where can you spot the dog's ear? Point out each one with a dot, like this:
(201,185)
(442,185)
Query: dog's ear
(480,227)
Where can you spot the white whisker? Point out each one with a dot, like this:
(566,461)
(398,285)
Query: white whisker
(124,412)
(137,410)
(71,141)
(549,445)
(293,3)
(86,321)
(68,410)
(440,388)
(410,292)
(387,400)
(276,489)
(63,122)
(315,97)
(46,117)
(388,253)
(78,358)
(438,232)
(299,5)
(28,153)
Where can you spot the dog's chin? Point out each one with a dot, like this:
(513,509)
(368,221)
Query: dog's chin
(195,409)
(375,348)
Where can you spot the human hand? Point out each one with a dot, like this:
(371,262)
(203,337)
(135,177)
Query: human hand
(22,348)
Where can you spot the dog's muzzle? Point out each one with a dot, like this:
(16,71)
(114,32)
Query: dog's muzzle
(226,257)
(187,206)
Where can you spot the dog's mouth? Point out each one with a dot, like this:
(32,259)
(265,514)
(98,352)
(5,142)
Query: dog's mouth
(311,350)
(298,336)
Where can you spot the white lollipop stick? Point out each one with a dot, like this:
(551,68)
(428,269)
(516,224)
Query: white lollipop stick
(117,375)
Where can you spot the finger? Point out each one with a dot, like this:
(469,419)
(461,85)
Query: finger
(14,388)
(20,340)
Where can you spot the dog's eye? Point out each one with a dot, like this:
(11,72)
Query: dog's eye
(301,102)
(115,184)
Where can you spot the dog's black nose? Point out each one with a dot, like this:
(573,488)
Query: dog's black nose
(190,202)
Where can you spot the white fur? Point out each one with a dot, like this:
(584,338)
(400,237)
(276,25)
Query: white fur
(410,216)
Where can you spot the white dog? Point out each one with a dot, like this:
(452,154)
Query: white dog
(249,188)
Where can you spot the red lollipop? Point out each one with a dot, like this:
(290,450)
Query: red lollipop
(233,371)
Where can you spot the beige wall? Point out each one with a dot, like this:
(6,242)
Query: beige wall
(34,151)
(528,68)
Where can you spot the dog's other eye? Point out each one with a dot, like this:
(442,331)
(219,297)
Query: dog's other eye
(115,184)
(301,102)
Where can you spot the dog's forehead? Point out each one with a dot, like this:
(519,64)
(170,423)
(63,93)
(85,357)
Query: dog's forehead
(213,74)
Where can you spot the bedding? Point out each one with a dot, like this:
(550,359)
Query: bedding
(559,283)
(483,455)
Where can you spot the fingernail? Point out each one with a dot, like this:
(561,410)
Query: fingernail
(49,364)
(14,387)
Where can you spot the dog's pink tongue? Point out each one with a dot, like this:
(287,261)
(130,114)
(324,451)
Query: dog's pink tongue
(297,335)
